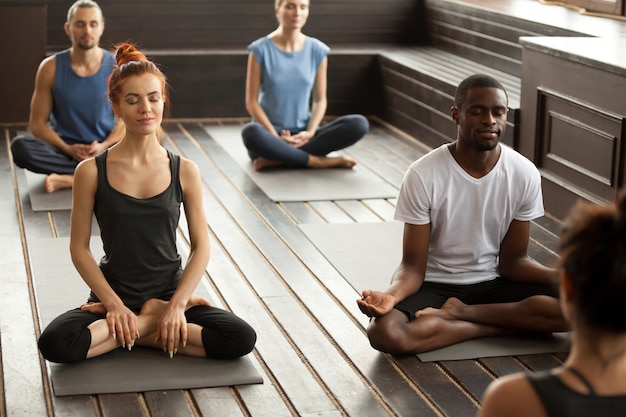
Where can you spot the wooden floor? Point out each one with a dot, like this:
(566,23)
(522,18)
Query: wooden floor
(312,350)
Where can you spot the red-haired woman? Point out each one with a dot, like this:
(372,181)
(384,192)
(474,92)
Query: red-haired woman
(140,293)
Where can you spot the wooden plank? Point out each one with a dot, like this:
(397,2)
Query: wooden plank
(383,208)
(502,365)
(24,391)
(470,374)
(540,362)
(129,404)
(217,402)
(437,385)
(301,212)
(358,211)
(168,404)
(330,212)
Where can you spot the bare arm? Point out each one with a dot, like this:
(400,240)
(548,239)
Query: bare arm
(320,100)
(253,86)
(408,277)
(514,261)
(41,106)
(121,321)
(172,328)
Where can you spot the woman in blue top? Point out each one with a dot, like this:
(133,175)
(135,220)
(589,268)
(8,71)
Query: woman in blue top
(286,97)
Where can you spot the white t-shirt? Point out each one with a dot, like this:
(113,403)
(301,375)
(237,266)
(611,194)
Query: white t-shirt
(469,216)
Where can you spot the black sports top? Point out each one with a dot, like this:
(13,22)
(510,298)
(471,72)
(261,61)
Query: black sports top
(561,401)
(141,260)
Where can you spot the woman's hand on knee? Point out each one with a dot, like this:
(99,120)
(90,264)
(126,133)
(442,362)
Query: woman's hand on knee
(122,324)
(172,329)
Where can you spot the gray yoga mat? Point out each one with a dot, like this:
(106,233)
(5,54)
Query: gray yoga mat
(303,184)
(366,255)
(59,288)
(40,200)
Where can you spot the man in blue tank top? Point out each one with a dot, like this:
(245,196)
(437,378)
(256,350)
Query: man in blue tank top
(70,116)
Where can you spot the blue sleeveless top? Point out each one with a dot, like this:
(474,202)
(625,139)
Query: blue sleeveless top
(141,260)
(287,79)
(81,112)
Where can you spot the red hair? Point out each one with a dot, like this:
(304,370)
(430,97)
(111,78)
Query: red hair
(131,62)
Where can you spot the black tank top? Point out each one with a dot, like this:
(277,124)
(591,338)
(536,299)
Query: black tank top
(561,401)
(141,260)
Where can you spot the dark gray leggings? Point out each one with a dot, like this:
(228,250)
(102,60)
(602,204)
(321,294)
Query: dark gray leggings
(333,136)
(39,156)
(224,335)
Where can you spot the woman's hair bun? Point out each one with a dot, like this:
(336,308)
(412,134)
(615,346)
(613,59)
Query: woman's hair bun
(126,52)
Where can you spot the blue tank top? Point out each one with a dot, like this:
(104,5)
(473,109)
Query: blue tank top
(141,260)
(287,80)
(81,112)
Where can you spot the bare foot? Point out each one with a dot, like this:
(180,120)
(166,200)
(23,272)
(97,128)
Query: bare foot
(156,306)
(196,300)
(449,310)
(58,182)
(331,162)
(261,163)
(95,308)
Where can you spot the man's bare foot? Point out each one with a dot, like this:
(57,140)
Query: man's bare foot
(331,162)
(55,182)
(449,310)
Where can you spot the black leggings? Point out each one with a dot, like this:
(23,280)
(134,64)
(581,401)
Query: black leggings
(224,335)
(498,290)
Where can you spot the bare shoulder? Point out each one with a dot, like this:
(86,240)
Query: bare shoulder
(47,69)
(86,170)
(188,167)
(85,179)
(189,174)
(507,390)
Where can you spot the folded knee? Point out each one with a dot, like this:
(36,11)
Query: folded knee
(388,340)
(229,344)
(60,349)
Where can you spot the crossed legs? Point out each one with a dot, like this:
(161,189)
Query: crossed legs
(433,328)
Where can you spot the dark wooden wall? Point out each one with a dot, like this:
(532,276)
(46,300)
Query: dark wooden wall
(206,24)
(23,34)
(574,126)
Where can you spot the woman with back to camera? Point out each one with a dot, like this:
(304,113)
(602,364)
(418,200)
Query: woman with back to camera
(140,294)
(286,98)
(592,381)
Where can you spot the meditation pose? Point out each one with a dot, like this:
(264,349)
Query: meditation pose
(286,98)
(70,116)
(592,381)
(140,294)
(466,208)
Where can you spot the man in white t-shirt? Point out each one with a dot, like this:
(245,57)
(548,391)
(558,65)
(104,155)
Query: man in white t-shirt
(467,208)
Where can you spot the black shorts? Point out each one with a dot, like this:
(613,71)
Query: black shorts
(498,290)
